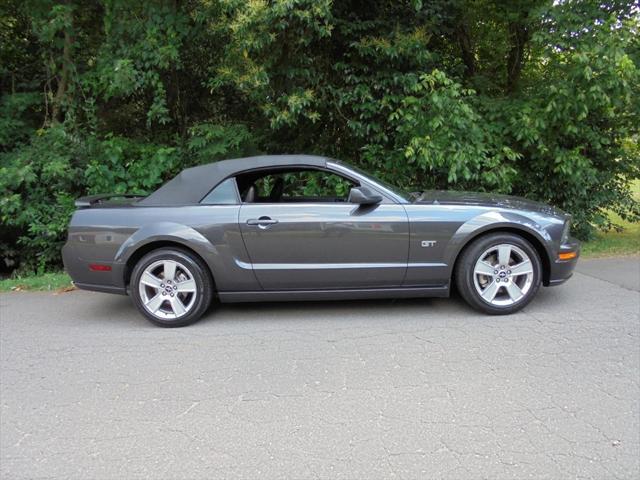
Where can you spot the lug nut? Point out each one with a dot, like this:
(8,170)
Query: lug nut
(172,294)
(162,285)
(175,287)
(495,272)
(509,272)
(497,280)
(164,293)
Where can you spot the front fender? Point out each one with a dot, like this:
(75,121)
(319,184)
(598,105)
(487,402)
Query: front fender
(493,220)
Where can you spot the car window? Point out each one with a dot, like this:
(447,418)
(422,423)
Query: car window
(298,186)
(223,194)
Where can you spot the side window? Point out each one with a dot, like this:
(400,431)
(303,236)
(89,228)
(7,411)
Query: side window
(301,186)
(223,194)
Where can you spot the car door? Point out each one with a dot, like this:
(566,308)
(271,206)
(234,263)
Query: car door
(310,243)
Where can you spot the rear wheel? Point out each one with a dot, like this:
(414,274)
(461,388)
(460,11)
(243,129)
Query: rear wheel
(171,287)
(499,273)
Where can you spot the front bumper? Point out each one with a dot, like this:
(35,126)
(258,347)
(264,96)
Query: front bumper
(562,270)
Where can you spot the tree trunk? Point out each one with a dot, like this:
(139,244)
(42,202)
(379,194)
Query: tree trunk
(62,92)
(466,49)
(519,37)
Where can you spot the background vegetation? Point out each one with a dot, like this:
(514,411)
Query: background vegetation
(529,97)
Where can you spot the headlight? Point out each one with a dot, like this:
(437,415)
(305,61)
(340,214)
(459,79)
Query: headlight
(565,232)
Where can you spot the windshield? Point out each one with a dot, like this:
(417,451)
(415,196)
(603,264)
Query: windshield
(405,194)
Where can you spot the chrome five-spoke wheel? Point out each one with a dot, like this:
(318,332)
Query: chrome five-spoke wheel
(171,287)
(499,273)
(503,275)
(167,289)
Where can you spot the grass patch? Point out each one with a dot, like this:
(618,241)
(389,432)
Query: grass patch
(613,243)
(610,244)
(45,282)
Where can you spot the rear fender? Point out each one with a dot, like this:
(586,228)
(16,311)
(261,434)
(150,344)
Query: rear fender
(168,232)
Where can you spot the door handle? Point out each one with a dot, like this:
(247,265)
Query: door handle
(262,221)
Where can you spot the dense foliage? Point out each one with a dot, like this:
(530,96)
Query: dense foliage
(538,98)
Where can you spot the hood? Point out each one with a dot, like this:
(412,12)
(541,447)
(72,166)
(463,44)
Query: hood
(450,197)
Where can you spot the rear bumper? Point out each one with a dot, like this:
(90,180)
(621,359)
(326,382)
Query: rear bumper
(562,270)
(85,278)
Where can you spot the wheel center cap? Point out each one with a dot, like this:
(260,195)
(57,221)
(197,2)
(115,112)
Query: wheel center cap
(502,274)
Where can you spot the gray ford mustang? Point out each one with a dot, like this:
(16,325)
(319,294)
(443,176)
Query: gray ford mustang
(298,227)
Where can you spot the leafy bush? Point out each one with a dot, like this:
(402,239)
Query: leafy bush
(40,182)
(121,165)
(14,129)
(441,134)
(209,142)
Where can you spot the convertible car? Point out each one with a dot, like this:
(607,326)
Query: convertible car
(298,227)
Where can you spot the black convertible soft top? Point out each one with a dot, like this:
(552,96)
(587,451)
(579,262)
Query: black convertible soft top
(192,184)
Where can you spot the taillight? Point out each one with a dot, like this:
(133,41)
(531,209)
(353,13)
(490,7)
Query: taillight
(97,267)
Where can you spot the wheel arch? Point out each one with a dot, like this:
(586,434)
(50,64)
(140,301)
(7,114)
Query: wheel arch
(143,250)
(515,229)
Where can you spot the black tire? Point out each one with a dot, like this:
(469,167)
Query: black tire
(197,269)
(464,273)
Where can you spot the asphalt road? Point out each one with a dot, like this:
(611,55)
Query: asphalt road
(387,389)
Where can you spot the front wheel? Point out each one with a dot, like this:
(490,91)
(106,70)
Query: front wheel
(171,287)
(499,273)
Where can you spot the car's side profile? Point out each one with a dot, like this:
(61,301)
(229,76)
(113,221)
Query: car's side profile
(298,227)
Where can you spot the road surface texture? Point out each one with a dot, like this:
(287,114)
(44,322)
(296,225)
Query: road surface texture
(371,390)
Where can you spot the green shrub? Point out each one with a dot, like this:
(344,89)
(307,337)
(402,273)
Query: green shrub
(121,165)
(40,182)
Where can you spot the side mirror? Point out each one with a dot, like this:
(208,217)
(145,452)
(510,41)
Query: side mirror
(363,196)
